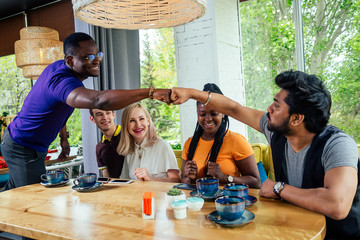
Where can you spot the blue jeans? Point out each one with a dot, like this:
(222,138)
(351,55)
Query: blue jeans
(25,165)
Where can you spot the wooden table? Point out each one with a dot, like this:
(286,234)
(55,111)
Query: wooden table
(114,212)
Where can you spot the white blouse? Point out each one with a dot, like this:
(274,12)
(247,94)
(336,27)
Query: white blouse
(157,159)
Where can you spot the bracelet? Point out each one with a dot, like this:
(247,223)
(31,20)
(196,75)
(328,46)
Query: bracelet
(208,100)
(151,92)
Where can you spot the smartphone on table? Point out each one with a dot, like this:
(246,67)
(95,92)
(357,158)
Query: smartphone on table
(103,179)
(126,181)
(185,186)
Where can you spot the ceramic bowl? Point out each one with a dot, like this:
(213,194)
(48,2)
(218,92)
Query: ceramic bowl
(207,186)
(236,190)
(230,208)
(195,203)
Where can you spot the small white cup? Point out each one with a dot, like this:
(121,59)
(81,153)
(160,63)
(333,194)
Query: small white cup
(179,207)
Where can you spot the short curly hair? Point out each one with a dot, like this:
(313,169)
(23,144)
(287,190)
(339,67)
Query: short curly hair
(71,42)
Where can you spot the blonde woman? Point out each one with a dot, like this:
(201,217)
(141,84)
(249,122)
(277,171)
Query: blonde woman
(148,157)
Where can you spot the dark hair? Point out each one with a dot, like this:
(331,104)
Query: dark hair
(307,95)
(71,43)
(219,136)
(92,112)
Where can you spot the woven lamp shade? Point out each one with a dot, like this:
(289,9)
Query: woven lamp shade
(37,48)
(138,14)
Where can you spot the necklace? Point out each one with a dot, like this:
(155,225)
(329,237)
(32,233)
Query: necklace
(140,152)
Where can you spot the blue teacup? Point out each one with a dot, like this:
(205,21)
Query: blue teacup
(236,190)
(207,186)
(230,208)
(86,180)
(53,177)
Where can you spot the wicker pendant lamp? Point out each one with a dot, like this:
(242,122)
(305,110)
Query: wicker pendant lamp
(138,14)
(37,48)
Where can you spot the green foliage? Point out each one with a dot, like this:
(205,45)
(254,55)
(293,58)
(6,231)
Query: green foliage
(176,146)
(174,192)
(158,69)
(13,86)
(73,126)
(332,51)
(344,80)
(268,42)
(2,119)
(13,91)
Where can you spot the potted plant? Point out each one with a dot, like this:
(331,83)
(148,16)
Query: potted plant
(174,194)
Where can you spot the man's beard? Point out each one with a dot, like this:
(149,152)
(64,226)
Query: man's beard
(283,129)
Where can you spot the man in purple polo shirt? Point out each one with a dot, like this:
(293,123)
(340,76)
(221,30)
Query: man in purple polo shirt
(50,103)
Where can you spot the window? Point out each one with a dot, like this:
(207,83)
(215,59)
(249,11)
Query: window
(331,46)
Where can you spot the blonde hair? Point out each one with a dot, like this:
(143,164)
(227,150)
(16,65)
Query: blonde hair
(127,142)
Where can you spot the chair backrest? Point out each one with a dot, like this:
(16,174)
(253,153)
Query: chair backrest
(268,164)
(259,151)
(178,153)
(262,153)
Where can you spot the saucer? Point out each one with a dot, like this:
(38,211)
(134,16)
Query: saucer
(219,193)
(246,218)
(250,200)
(47,184)
(88,189)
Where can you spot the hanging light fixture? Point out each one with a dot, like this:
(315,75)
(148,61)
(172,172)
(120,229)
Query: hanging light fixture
(138,14)
(37,48)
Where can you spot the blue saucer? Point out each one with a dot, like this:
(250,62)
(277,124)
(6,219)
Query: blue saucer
(246,218)
(250,200)
(96,186)
(219,193)
(47,184)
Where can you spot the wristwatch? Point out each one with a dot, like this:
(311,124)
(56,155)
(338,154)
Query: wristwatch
(278,187)
(230,179)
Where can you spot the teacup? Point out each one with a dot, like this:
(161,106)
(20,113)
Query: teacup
(53,177)
(236,190)
(230,208)
(207,186)
(86,180)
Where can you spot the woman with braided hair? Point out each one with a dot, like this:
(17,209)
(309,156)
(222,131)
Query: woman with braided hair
(216,151)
